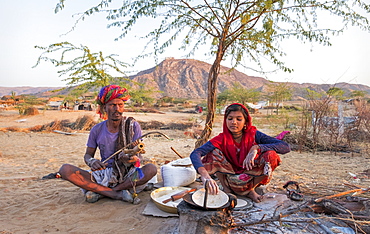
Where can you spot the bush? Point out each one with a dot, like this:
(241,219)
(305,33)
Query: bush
(30,111)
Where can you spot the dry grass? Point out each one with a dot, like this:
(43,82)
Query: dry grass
(84,123)
(150,125)
(31,111)
(37,128)
(13,129)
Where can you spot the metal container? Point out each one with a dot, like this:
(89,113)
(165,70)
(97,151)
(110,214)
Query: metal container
(161,194)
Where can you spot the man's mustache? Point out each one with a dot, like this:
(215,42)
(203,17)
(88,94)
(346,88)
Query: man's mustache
(117,112)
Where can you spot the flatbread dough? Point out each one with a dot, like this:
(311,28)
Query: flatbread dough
(182,162)
(213,201)
(241,203)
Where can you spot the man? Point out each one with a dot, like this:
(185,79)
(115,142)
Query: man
(120,177)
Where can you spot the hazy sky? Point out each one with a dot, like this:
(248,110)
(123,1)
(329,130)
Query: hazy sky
(25,24)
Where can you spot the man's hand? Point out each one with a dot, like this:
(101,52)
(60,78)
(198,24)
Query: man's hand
(96,164)
(127,159)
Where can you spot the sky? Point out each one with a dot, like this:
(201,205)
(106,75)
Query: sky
(25,24)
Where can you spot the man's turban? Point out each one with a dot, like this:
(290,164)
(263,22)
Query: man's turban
(108,93)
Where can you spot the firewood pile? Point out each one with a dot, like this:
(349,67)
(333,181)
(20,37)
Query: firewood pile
(329,214)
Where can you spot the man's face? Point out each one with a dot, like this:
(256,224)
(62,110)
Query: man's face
(114,109)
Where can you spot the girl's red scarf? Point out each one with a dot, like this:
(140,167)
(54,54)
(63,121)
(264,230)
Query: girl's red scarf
(226,143)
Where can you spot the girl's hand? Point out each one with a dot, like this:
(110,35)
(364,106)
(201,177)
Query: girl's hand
(248,162)
(212,185)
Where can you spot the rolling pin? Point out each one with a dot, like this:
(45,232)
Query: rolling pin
(178,195)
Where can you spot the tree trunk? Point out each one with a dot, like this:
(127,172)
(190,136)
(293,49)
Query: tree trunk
(211,100)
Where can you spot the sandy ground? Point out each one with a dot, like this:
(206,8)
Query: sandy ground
(31,205)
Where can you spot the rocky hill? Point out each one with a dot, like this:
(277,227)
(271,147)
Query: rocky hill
(187,78)
(25,90)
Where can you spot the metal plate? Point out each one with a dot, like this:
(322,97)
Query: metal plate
(161,194)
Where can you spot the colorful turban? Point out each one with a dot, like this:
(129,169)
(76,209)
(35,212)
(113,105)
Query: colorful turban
(110,92)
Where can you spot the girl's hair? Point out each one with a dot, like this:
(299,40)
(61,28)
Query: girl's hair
(236,107)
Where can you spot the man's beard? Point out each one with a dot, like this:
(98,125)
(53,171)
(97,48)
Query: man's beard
(117,119)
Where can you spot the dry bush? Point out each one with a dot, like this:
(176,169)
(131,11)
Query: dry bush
(55,125)
(327,132)
(150,125)
(31,111)
(159,125)
(143,110)
(84,123)
(363,115)
(37,128)
(13,129)
(178,126)
(62,125)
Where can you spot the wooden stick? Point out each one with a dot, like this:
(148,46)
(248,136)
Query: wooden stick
(176,152)
(361,190)
(135,150)
(135,142)
(179,195)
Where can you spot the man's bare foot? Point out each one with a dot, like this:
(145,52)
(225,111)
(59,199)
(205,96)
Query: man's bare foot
(255,196)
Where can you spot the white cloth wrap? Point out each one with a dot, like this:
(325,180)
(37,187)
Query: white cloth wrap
(174,176)
(103,177)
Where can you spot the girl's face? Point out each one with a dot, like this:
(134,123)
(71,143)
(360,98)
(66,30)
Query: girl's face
(235,121)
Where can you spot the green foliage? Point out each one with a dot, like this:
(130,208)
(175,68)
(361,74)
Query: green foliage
(83,67)
(240,29)
(358,93)
(13,94)
(179,100)
(278,93)
(238,94)
(29,102)
(223,97)
(313,95)
(336,92)
(142,96)
(32,100)
(277,123)
(167,99)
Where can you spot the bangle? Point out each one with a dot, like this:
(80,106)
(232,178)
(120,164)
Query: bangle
(90,161)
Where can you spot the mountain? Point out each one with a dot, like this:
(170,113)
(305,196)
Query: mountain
(25,90)
(187,78)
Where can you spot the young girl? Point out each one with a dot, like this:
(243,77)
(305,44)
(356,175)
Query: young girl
(241,157)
